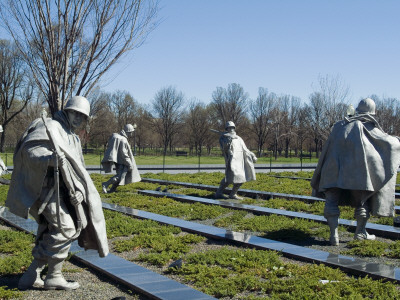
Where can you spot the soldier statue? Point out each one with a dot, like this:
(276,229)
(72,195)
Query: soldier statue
(239,162)
(358,166)
(50,182)
(119,153)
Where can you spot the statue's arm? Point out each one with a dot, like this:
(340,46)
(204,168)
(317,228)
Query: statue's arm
(245,149)
(125,157)
(39,152)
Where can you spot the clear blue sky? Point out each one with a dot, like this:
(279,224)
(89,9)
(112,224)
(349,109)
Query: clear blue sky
(282,45)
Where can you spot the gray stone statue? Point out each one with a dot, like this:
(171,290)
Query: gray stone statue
(239,162)
(119,153)
(358,166)
(3,167)
(50,182)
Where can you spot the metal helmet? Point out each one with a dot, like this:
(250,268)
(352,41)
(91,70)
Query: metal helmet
(229,124)
(80,104)
(350,111)
(366,106)
(129,128)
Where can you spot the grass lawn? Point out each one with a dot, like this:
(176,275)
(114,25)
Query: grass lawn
(180,160)
(93,159)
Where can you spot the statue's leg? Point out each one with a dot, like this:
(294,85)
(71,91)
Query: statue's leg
(53,246)
(233,194)
(55,280)
(220,192)
(112,180)
(31,277)
(121,173)
(361,214)
(114,186)
(331,213)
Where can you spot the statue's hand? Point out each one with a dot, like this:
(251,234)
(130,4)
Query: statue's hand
(62,160)
(77,198)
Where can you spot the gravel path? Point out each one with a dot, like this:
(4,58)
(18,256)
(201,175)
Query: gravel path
(92,287)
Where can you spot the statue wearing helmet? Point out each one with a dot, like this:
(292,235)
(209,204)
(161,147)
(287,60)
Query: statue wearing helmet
(78,104)
(358,166)
(239,162)
(50,147)
(366,106)
(119,153)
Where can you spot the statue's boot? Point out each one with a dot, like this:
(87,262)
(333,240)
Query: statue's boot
(55,280)
(113,187)
(105,185)
(361,233)
(333,223)
(219,194)
(31,277)
(114,181)
(233,194)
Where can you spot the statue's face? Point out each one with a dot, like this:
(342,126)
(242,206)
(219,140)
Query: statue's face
(129,134)
(231,129)
(75,118)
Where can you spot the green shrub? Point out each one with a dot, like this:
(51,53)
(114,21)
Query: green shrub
(168,207)
(366,248)
(263,275)
(3,193)
(119,225)
(283,228)
(18,247)
(6,293)
(394,250)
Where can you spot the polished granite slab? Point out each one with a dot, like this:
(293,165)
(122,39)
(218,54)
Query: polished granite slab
(135,277)
(377,229)
(292,177)
(351,265)
(247,192)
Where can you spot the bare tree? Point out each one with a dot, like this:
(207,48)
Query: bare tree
(334,93)
(290,107)
(198,121)
(316,119)
(144,133)
(124,107)
(69,45)
(278,116)
(230,104)
(261,118)
(167,107)
(16,88)
(387,113)
(100,114)
(302,132)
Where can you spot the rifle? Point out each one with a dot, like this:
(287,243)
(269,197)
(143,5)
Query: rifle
(80,213)
(217,131)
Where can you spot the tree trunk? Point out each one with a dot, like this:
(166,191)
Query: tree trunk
(316,148)
(287,141)
(3,137)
